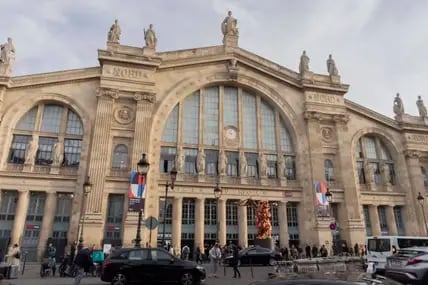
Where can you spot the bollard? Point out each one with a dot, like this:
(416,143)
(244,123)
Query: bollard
(24,262)
(251,269)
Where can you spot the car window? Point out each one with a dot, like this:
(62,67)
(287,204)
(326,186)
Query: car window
(119,255)
(262,249)
(138,254)
(158,255)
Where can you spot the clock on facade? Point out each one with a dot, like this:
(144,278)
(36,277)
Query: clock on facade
(231,133)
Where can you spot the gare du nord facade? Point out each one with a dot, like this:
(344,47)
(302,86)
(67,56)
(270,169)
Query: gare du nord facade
(220,114)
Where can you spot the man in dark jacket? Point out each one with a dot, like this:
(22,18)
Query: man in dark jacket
(235,261)
(83,262)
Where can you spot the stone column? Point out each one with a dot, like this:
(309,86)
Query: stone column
(374,220)
(177,214)
(47,225)
(221,221)
(390,218)
(199,222)
(20,216)
(243,226)
(283,224)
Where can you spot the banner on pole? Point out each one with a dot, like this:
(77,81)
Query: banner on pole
(321,201)
(137,192)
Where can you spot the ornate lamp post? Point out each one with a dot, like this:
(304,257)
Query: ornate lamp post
(421,202)
(87,187)
(142,168)
(173,177)
(329,196)
(217,195)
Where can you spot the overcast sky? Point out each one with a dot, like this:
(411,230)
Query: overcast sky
(380,46)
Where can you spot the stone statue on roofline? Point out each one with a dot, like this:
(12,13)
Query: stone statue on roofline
(398,105)
(421,107)
(229,26)
(331,66)
(150,37)
(114,33)
(304,63)
(7,57)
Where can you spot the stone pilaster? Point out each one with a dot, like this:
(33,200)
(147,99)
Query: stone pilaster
(2,92)
(73,230)
(48,220)
(199,222)
(100,139)
(20,216)
(283,224)
(177,214)
(221,221)
(390,218)
(243,228)
(374,220)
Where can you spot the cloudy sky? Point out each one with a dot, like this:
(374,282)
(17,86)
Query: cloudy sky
(380,46)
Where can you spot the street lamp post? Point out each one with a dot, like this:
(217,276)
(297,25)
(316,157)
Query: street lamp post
(217,195)
(421,202)
(87,187)
(172,176)
(142,168)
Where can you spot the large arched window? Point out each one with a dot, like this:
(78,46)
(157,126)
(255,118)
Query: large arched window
(374,161)
(120,157)
(247,128)
(46,125)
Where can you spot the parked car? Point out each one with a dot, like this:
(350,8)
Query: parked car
(408,266)
(255,255)
(306,282)
(149,265)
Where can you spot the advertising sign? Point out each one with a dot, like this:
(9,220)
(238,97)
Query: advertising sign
(137,193)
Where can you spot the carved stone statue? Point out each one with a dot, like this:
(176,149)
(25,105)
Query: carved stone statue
(331,66)
(180,160)
(304,63)
(7,52)
(281,166)
(33,146)
(58,152)
(229,26)
(368,172)
(421,107)
(222,162)
(386,176)
(263,165)
(242,164)
(398,105)
(150,37)
(201,161)
(114,33)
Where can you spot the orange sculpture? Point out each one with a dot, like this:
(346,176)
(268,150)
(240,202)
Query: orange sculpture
(263,224)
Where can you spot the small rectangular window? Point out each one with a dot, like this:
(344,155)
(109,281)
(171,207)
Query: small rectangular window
(44,154)
(18,149)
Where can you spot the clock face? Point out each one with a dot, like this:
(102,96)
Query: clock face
(231,133)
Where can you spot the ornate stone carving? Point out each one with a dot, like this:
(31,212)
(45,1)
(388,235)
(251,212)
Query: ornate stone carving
(242,164)
(263,165)
(229,26)
(342,119)
(150,97)
(108,92)
(417,138)
(150,37)
(421,107)
(327,134)
(180,160)
(281,166)
(331,66)
(58,153)
(114,33)
(233,68)
(201,161)
(124,115)
(30,156)
(222,162)
(304,63)
(409,153)
(398,105)
(7,57)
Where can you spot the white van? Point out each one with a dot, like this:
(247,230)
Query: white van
(379,248)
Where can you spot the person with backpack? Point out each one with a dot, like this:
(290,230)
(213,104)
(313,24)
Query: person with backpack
(83,262)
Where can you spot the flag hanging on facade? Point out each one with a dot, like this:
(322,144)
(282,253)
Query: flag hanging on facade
(321,201)
(137,193)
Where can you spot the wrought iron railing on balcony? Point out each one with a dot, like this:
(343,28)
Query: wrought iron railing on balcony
(15,167)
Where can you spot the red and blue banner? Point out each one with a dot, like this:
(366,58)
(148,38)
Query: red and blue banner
(137,192)
(321,201)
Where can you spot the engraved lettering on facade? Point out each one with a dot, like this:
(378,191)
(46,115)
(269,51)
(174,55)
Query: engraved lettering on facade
(417,138)
(324,98)
(127,73)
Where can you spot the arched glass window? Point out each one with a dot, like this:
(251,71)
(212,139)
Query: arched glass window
(424,176)
(239,121)
(120,157)
(374,161)
(329,170)
(59,124)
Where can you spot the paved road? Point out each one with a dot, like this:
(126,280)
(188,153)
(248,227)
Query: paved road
(31,277)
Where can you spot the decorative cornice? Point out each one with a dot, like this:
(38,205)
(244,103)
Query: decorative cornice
(319,116)
(415,154)
(146,96)
(371,114)
(107,92)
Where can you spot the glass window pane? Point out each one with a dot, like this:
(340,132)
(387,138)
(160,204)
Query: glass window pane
(252,165)
(250,120)
(367,220)
(399,220)
(51,121)
(286,144)
(384,152)
(271,165)
(28,121)
(211,162)
(120,157)
(268,127)
(231,212)
(382,220)
(18,149)
(211,116)
(329,170)
(210,212)
(171,127)
(190,155)
(72,150)
(191,119)
(290,168)
(74,124)
(44,153)
(167,159)
(232,163)
(370,147)
(230,107)
(188,209)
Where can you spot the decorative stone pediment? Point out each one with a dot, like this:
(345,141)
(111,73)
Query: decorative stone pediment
(108,92)
(150,97)
(415,154)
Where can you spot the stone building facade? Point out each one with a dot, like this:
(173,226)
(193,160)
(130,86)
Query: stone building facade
(220,114)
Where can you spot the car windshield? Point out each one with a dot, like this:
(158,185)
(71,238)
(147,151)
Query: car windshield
(379,245)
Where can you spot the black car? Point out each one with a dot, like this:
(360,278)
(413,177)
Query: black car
(149,265)
(305,282)
(255,256)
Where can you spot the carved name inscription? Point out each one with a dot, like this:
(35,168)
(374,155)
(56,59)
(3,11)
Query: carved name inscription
(128,73)
(417,138)
(324,98)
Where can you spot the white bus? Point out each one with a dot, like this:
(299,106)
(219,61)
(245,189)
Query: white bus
(379,248)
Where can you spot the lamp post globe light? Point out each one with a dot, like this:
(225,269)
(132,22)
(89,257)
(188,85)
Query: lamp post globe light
(87,187)
(143,167)
(421,200)
(172,177)
(217,195)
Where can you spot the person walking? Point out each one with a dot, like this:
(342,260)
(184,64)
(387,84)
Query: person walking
(314,251)
(235,261)
(83,262)
(215,256)
(52,258)
(308,251)
(185,252)
(198,255)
